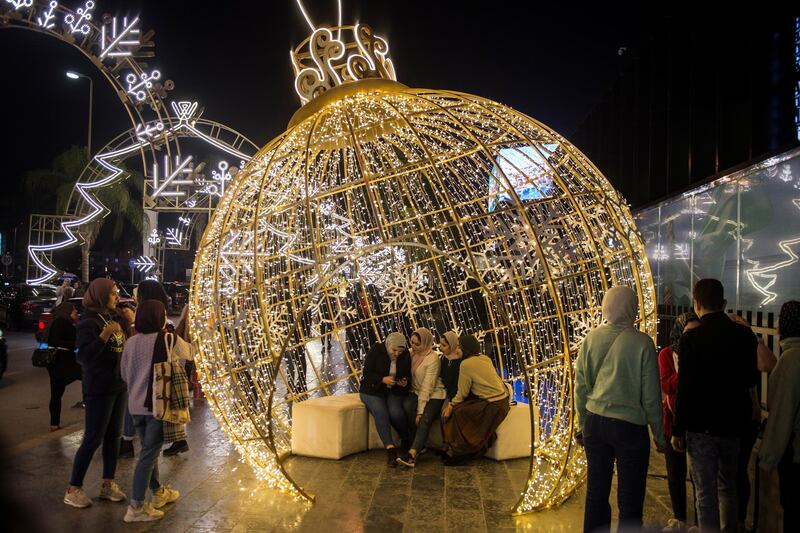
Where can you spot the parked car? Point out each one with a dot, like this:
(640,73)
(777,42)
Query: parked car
(46,317)
(3,354)
(178,294)
(21,304)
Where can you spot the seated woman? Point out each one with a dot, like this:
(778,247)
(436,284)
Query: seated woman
(478,408)
(387,373)
(450,363)
(424,404)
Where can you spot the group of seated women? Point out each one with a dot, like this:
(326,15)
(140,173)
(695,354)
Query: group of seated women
(411,389)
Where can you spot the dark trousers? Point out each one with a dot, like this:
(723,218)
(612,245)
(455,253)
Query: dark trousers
(789,480)
(103,425)
(743,470)
(57,388)
(609,441)
(676,481)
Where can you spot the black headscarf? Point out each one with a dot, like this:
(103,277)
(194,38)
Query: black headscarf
(678,327)
(469,346)
(151,289)
(151,317)
(789,320)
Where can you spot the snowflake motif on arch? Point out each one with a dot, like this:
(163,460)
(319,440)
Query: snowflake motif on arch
(406,289)
(582,324)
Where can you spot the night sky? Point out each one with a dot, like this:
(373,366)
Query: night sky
(553,62)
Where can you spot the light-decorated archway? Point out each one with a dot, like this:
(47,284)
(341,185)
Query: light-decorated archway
(384,207)
(120,50)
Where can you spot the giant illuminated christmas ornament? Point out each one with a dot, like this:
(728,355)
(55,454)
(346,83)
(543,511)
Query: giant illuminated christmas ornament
(385,208)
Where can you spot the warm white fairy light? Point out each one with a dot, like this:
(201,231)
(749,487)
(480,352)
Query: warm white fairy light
(397,181)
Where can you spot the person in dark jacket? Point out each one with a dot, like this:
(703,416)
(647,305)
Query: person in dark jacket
(385,383)
(716,369)
(65,369)
(451,362)
(100,339)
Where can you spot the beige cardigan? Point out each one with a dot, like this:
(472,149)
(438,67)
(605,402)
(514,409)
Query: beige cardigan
(426,383)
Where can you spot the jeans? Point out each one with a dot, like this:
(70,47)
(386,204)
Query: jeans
(608,440)
(103,424)
(151,433)
(713,462)
(387,412)
(676,481)
(432,411)
(128,428)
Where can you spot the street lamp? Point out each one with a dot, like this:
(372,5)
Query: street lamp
(75,76)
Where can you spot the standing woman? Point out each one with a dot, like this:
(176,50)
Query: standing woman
(100,339)
(675,460)
(142,351)
(781,445)
(477,409)
(64,369)
(385,383)
(617,395)
(424,404)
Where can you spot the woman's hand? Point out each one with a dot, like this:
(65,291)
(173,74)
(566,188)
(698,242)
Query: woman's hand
(419,417)
(388,381)
(447,411)
(110,329)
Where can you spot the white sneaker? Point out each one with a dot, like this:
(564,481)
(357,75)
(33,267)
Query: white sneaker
(673,524)
(145,513)
(164,495)
(77,498)
(111,491)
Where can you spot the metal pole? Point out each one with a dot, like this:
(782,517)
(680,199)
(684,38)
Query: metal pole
(89,141)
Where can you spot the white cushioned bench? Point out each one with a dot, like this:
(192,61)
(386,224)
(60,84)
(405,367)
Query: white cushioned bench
(513,435)
(330,427)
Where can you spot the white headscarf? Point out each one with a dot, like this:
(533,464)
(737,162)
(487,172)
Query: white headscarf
(395,340)
(620,306)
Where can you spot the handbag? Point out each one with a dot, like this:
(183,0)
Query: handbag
(44,357)
(170,388)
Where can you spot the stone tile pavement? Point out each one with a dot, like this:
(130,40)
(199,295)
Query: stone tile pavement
(357,493)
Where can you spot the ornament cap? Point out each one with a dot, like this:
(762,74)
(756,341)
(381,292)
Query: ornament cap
(339,55)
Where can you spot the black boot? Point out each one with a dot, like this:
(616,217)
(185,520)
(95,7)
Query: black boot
(179,446)
(391,457)
(126,448)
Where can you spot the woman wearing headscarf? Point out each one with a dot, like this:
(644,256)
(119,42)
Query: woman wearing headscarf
(100,338)
(423,405)
(151,289)
(384,385)
(675,460)
(781,445)
(478,408)
(65,369)
(617,395)
(142,351)
(450,363)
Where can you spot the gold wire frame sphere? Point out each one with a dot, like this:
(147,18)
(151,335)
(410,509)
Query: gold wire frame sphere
(388,208)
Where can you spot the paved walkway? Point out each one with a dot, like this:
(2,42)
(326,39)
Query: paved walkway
(358,493)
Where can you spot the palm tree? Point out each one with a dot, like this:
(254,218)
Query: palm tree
(123,200)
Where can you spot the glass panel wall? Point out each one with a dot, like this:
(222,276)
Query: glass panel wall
(743,229)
